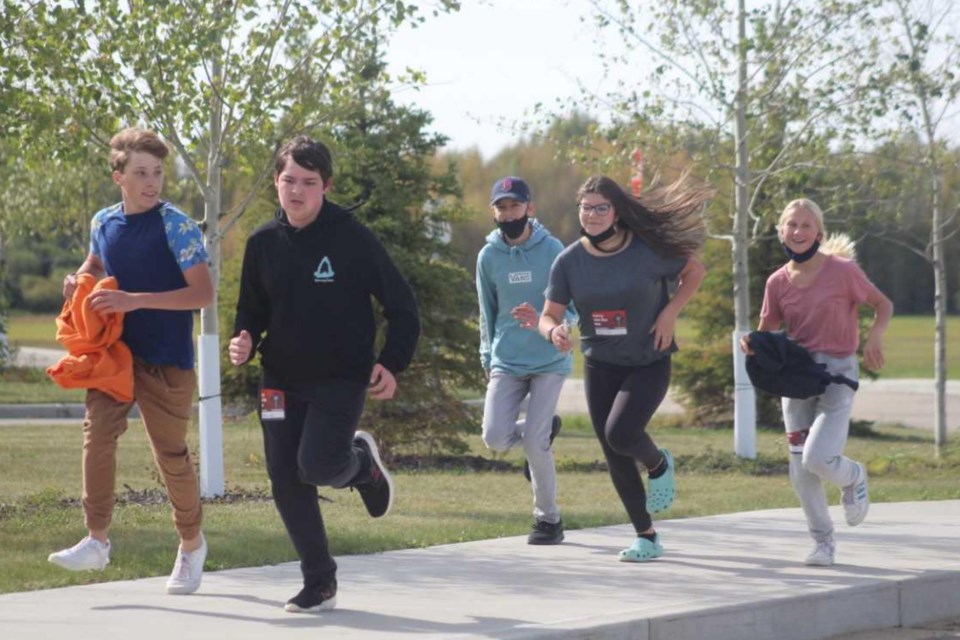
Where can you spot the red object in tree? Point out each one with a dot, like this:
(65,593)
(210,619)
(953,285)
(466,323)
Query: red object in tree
(636,182)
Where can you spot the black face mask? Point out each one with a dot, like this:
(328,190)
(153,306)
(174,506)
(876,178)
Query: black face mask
(513,229)
(800,258)
(600,237)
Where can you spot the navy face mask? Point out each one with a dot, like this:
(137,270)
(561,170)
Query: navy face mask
(800,258)
(513,229)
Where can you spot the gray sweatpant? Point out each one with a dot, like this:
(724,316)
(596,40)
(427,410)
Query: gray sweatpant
(502,429)
(818,455)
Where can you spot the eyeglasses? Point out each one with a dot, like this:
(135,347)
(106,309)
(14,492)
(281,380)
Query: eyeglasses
(599,210)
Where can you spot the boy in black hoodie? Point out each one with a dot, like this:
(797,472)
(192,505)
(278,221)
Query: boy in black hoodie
(307,280)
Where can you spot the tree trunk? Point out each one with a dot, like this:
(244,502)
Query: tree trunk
(939,281)
(940,311)
(208,344)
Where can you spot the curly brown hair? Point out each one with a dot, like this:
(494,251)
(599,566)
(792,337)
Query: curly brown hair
(134,139)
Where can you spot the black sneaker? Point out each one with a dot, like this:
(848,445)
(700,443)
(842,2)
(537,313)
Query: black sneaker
(313,599)
(546,532)
(554,430)
(378,493)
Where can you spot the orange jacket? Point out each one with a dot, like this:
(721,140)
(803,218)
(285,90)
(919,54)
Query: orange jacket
(98,359)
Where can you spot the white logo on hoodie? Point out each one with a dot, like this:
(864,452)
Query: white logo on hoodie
(521,277)
(324,272)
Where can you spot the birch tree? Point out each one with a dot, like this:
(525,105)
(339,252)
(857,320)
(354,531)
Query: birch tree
(923,73)
(225,82)
(761,82)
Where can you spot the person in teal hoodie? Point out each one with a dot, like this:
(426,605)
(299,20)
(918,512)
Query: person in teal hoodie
(512,272)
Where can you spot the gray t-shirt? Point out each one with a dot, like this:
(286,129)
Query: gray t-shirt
(618,297)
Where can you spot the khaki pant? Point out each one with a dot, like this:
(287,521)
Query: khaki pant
(164,396)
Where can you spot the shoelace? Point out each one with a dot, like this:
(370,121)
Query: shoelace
(181,568)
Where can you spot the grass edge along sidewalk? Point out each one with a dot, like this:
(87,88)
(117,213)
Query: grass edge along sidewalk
(39,507)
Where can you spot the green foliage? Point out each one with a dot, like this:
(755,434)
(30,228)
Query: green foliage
(382,150)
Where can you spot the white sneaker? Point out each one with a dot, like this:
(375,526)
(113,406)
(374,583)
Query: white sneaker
(856,498)
(89,554)
(188,570)
(822,555)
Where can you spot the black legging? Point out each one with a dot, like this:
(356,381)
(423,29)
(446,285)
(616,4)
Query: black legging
(621,401)
(311,446)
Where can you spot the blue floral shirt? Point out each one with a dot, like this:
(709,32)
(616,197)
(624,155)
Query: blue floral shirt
(148,252)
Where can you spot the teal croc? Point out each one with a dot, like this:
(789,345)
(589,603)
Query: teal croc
(663,489)
(642,550)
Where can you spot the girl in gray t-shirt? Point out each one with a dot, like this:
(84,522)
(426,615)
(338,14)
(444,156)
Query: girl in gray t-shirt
(618,277)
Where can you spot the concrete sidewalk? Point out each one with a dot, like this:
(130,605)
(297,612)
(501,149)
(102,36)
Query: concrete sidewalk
(907,401)
(728,577)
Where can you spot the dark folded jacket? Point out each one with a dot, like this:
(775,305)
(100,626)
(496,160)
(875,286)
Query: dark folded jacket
(782,367)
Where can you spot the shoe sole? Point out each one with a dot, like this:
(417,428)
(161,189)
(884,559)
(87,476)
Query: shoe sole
(184,590)
(326,605)
(375,452)
(68,567)
(543,543)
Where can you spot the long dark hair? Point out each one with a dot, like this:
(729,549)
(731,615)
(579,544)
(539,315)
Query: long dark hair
(668,218)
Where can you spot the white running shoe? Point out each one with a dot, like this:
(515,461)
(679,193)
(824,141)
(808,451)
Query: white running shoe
(87,555)
(188,570)
(822,555)
(856,498)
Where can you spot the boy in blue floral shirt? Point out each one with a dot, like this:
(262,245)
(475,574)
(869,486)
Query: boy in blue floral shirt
(156,254)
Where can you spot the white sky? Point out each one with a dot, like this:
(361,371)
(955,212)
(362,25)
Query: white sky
(489,64)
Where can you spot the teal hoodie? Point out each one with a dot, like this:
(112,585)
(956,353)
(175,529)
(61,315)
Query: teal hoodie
(508,276)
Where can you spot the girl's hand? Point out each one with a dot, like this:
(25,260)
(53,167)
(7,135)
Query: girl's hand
(663,329)
(873,351)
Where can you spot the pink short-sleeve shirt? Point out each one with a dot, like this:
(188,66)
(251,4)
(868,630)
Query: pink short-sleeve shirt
(823,316)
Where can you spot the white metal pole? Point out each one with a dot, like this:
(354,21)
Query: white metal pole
(211,420)
(744,405)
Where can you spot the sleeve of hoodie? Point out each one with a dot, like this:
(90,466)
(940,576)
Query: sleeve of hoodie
(253,306)
(487,295)
(393,292)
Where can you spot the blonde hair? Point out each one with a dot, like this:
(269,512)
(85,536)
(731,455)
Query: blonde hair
(836,244)
(134,139)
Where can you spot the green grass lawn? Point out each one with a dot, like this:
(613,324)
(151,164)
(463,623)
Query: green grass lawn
(40,488)
(908,346)
(32,330)
(40,330)
(909,343)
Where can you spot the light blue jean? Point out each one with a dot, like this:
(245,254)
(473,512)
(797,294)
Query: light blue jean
(503,428)
(820,456)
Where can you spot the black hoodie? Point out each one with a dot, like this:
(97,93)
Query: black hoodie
(309,289)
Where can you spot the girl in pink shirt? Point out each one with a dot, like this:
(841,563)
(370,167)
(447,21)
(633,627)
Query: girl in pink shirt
(816,295)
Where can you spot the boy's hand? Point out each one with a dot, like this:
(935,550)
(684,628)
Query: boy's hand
(239,348)
(106,301)
(382,383)
(525,315)
(69,285)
